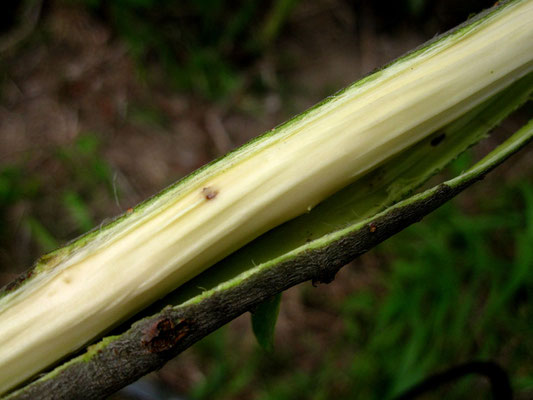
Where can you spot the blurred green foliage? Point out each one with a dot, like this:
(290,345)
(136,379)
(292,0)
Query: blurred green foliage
(203,46)
(50,210)
(454,288)
(206,47)
(15,186)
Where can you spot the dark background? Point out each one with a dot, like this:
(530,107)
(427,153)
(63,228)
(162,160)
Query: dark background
(103,103)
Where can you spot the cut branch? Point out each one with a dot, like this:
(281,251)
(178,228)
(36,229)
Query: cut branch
(372,133)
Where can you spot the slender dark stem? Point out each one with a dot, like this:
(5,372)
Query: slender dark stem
(495,374)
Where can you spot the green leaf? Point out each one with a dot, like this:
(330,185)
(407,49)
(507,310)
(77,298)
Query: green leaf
(264,319)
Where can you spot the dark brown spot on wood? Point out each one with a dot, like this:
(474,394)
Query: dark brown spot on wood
(164,334)
(437,139)
(209,193)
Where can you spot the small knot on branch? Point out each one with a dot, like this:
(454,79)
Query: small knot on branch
(164,334)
